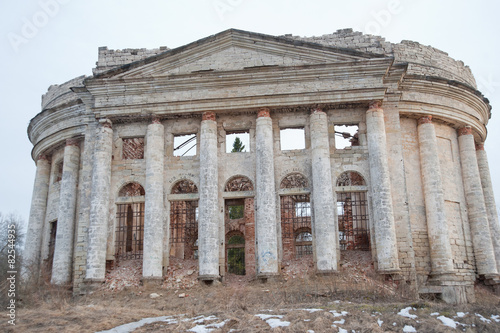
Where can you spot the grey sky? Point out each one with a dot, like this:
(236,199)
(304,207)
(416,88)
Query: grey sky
(51,41)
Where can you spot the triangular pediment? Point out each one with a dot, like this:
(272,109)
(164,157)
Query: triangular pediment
(234,50)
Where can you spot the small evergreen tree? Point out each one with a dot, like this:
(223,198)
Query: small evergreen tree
(238,146)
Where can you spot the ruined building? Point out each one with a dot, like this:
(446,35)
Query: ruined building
(351,143)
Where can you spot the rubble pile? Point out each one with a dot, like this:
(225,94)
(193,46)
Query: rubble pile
(126,274)
(181,274)
(297,268)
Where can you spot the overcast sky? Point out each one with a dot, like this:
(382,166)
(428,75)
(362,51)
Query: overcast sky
(51,41)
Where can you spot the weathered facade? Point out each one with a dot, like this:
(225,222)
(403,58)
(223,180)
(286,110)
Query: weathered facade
(410,183)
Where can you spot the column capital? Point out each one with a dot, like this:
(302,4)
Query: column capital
(264,112)
(466,130)
(209,115)
(375,105)
(155,119)
(317,110)
(42,157)
(479,146)
(105,122)
(72,142)
(425,120)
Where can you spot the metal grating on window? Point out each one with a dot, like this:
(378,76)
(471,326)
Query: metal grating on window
(352,211)
(129,231)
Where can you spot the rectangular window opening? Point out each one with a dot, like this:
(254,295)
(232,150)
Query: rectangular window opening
(237,142)
(292,138)
(346,136)
(133,148)
(236,212)
(185,145)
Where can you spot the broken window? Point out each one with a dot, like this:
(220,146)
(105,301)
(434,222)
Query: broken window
(352,211)
(303,244)
(129,231)
(184,222)
(236,212)
(132,148)
(185,145)
(237,142)
(292,138)
(346,136)
(295,218)
(52,245)
(236,255)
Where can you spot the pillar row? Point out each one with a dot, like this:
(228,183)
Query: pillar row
(437,225)
(478,219)
(100,191)
(383,216)
(266,233)
(489,200)
(154,212)
(324,226)
(31,255)
(208,241)
(63,250)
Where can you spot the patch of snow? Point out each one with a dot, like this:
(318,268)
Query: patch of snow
(275,322)
(380,322)
(336,314)
(310,331)
(447,321)
(406,313)
(341,330)
(307,319)
(486,320)
(496,318)
(202,319)
(200,329)
(130,327)
(409,328)
(266,316)
(461,314)
(393,324)
(311,310)
(340,322)
(218,325)
(435,314)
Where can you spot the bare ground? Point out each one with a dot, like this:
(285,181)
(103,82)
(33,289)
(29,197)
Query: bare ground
(370,305)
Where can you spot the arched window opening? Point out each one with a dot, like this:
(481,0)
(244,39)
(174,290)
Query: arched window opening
(350,178)
(184,186)
(129,235)
(352,212)
(303,244)
(239,183)
(294,180)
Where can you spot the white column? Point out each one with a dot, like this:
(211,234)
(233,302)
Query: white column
(31,255)
(154,212)
(324,198)
(478,218)
(63,251)
(437,225)
(99,210)
(383,218)
(208,226)
(489,200)
(266,233)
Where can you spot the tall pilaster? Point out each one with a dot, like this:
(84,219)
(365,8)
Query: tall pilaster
(208,226)
(489,200)
(101,182)
(31,255)
(383,218)
(63,251)
(154,212)
(323,196)
(437,225)
(266,234)
(478,219)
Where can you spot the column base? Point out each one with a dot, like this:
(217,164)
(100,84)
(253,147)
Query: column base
(152,281)
(328,272)
(91,285)
(268,277)
(209,280)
